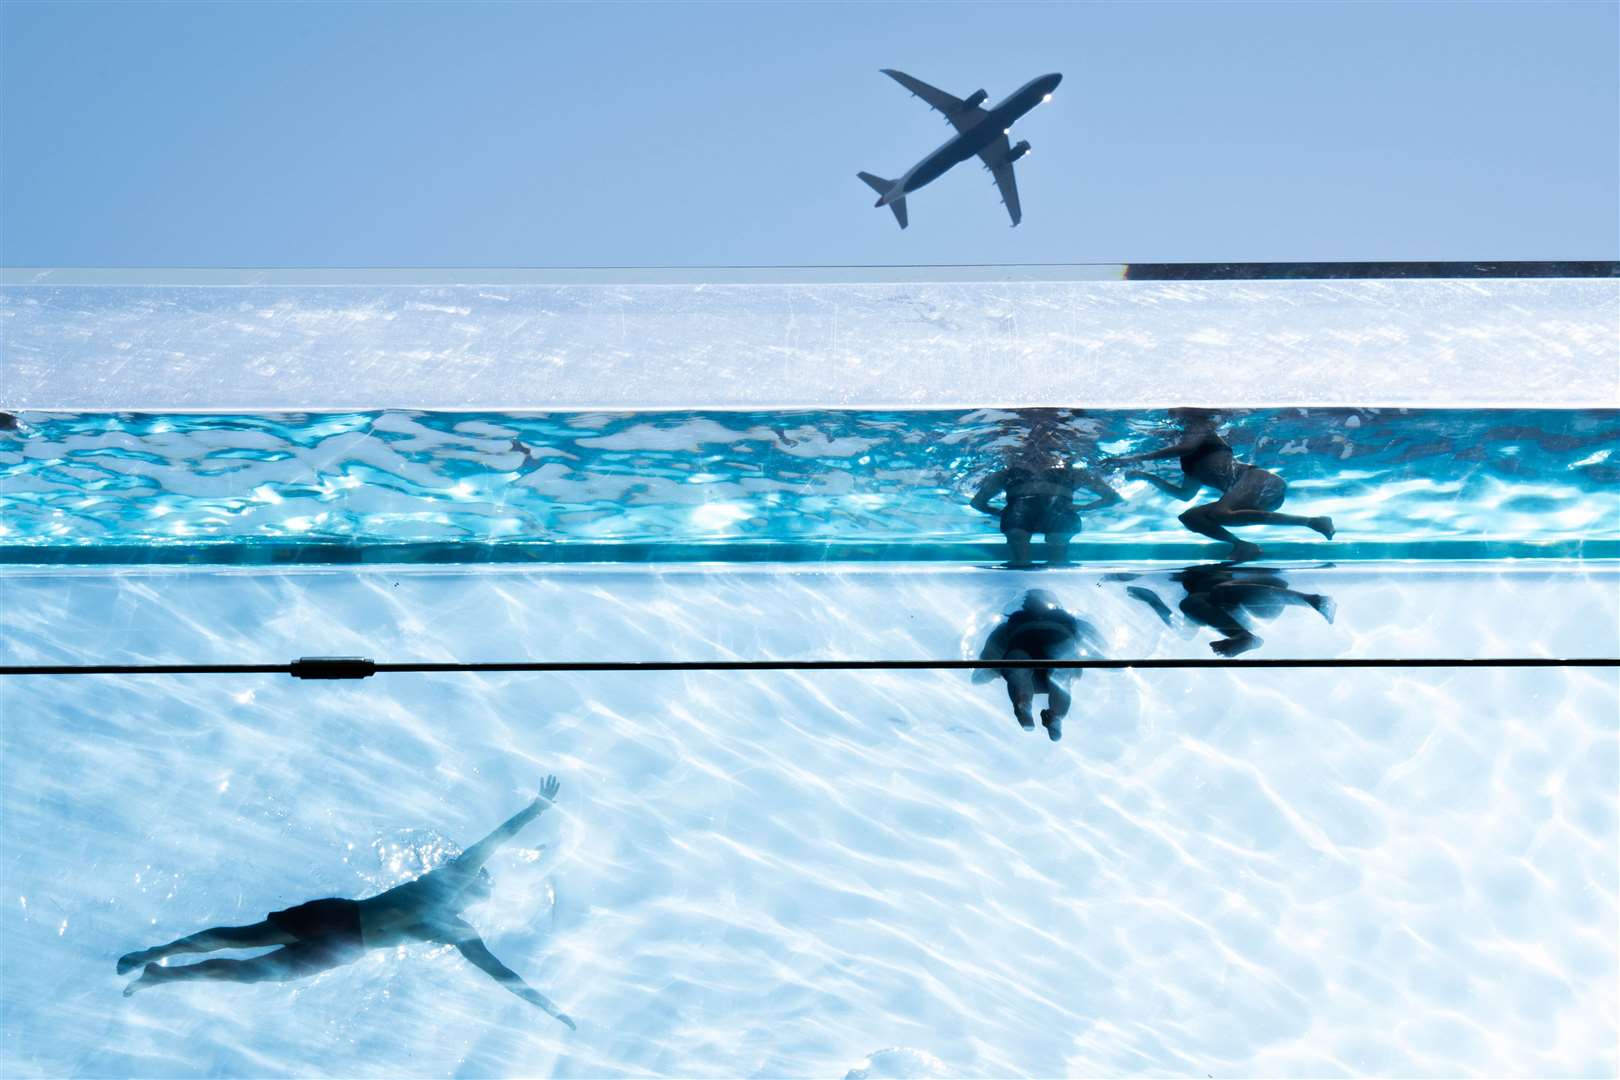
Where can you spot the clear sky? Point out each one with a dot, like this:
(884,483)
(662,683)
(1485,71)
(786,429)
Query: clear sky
(424,134)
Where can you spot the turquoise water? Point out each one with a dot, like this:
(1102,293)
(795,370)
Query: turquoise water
(1405,871)
(773,485)
(1229,873)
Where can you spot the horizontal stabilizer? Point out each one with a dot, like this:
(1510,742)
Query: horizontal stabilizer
(883,187)
(876,183)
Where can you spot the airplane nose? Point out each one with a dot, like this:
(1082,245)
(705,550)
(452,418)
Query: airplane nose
(1052,81)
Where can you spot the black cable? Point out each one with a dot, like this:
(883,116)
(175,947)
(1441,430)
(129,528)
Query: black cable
(354,667)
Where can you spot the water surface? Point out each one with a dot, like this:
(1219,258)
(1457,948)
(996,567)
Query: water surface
(782,485)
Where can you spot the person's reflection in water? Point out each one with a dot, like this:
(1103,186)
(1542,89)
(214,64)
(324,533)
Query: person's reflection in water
(1039,630)
(1249,495)
(322,934)
(1227,598)
(1039,479)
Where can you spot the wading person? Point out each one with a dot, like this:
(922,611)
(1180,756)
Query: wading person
(1039,479)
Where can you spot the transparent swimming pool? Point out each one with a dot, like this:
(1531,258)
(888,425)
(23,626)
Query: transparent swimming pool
(1319,871)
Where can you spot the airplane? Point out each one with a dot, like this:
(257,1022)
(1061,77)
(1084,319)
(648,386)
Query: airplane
(978,131)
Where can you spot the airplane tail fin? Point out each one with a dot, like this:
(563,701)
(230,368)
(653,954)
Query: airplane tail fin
(883,187)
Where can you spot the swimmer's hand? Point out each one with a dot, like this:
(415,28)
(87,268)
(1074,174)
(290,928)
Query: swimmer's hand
(548,791)
(540,1001)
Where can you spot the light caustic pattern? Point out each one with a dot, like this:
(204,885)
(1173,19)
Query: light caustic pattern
(1279,873)
(1538,480)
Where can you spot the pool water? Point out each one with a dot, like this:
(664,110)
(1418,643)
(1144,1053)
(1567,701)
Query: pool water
(1240,872)
(1217,871)
(773,485)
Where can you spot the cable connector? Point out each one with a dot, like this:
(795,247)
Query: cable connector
(333,667)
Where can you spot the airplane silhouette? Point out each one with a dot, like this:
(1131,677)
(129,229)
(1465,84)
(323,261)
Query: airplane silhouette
(978,131)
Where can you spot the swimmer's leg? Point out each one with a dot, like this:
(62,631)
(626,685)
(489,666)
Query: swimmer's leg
(1323,525)
(1058,701)
(285,964)
(1237,637)
(1057,707)
(256,936)
(1021,689)
(1254,500)
(1206,521)
(1057,548)
(1323,605)
(1018,553)
(1267,601)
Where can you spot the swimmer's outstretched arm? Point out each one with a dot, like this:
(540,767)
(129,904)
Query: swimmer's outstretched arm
(474,949)
(474,857)
(1185,490)
(993,485)
(1175,450)
(1106,495)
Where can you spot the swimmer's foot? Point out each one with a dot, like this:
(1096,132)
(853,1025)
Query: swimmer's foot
(151,976)
(1326,606)
(1243,551)
(1323,525)
(1053,725)
(1235,645)
(130,961)
(1025,721)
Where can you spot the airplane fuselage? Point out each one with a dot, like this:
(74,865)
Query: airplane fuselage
(992,126)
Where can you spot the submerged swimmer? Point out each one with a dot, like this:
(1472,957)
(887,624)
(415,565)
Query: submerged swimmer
(1249,495)
(1040,484)
(1227,598)
(322,934)
(1039,630)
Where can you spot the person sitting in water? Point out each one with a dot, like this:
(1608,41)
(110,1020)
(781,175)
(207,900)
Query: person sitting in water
(1040,491)
(322,934)
(1039,630)
(1249,495)
(1227,597)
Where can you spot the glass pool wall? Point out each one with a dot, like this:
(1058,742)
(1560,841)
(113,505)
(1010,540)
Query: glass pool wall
(819,873)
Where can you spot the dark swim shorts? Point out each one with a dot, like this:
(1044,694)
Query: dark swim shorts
(331,922)
(1040,514)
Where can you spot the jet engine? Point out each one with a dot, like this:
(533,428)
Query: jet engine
(974,100)
(1018,151)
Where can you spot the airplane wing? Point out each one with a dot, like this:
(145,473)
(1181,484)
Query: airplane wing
(994,157)
(957,111)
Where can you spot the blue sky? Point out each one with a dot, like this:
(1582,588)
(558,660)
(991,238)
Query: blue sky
(700,134)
